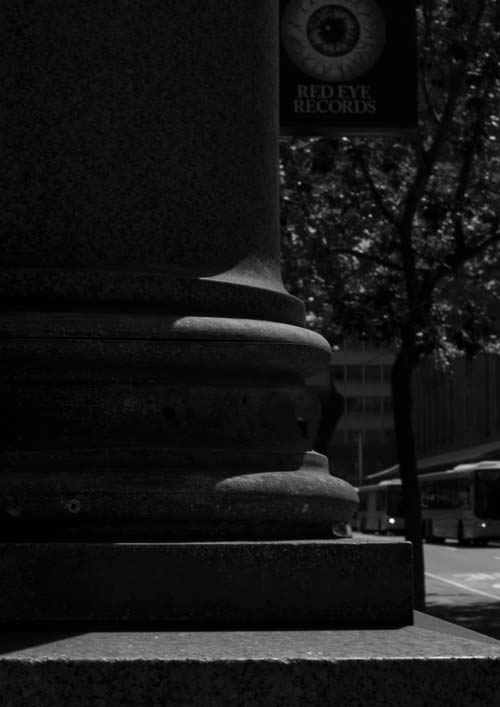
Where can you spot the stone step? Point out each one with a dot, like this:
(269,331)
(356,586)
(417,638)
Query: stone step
(343,582)
(408,667)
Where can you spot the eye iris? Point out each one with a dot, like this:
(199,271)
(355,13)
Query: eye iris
(338,41)
(333,30)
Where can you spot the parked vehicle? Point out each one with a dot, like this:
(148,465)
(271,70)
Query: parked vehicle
(380,508)
(462,503)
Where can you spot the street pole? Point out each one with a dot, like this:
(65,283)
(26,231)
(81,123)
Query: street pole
(360,459)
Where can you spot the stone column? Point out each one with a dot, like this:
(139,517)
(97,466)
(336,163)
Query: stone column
(153,364)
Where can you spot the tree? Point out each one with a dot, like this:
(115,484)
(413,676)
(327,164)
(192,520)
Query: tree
(398,241)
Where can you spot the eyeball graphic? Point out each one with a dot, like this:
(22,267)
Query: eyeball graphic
(335,41)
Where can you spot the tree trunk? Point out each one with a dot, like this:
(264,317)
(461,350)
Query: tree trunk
(402,406)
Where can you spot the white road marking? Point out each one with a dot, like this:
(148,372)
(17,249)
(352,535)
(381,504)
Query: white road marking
(478,576)
(463,586)
(496,557)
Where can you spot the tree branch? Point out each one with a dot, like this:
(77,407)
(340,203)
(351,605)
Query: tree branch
(417,189)
(416,291)
(468,158)
(468,252)
(430,106)
(375,192)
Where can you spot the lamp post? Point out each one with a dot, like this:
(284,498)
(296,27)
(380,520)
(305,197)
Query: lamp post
(359,440)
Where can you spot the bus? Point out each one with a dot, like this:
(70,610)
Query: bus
(380,508)
(462,503)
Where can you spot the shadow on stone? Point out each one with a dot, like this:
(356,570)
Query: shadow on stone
(21,638)
(483,617)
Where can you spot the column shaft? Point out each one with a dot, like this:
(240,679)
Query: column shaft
(153,364)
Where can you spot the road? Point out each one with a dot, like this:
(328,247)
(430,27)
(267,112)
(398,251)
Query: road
(462,583)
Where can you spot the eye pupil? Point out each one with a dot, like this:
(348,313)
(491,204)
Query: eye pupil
(333,30)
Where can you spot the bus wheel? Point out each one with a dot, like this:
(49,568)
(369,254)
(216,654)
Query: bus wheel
(460,535)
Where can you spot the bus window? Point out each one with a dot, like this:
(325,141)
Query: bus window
(380,501)
(446,495)
(487,494)
(394,501)
(426,495)
(464,492)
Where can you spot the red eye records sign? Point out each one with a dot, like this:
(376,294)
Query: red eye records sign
(348,67)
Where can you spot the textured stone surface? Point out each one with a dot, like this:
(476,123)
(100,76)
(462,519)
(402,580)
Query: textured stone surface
(155,427)
(150,380)
(140,150)
(300,582)
(151,359)
(175,503)
(407,667)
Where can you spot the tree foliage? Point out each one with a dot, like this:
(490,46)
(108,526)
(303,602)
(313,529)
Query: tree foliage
(397,240)
(378,232)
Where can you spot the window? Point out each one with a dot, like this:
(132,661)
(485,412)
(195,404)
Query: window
(464,491)
(386,374)
(372,437)
(354,406)
(372,374)
(389,436)
(372,406)
(440,494)
(363,502)
(338,373)
(338,437)
(488,493)
(395,501)
(354,374)
(426,495)
(446,495)
(387,406)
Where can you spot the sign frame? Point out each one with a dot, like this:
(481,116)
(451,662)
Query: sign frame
(348,67)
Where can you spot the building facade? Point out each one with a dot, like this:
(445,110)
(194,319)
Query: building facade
(458,408)
(363,442)
(456,412)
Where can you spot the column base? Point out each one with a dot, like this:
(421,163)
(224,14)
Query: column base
(162,428)
(170,496)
